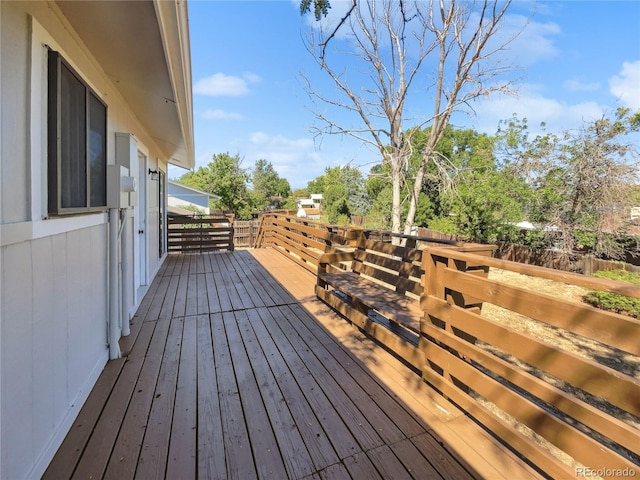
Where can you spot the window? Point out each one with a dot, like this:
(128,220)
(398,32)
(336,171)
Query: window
(77,142)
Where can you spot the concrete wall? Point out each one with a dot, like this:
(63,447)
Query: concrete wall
(54,271)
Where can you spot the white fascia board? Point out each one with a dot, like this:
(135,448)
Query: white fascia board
(173,22)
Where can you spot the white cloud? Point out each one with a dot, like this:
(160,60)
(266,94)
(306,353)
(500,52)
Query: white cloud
(335,14)
(528,41)
(626,85)
(295,159)
(220,84)
(279,149)
(218,114)
(536,108)
(578,86)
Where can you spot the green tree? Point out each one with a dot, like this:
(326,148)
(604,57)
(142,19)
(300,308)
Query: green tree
(488,205)
(378,188)
(269,189)
(224,177)
(344,193)
(320,7)
(316,185)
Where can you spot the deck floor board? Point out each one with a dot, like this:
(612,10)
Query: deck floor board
(210,442)
(182,443)
(236,370)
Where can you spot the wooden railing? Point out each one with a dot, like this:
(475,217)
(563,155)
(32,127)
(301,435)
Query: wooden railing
(199,233)
(569,393)
(304,241)
(559,379)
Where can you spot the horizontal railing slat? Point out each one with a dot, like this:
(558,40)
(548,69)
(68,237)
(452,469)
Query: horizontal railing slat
(581,447)
(547,273)
(615,387)
(618,431)
(621,331)
(199,234)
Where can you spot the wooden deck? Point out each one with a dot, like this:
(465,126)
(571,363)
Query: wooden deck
(235,370)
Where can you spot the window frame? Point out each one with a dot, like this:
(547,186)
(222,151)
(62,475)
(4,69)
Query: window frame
(55,63)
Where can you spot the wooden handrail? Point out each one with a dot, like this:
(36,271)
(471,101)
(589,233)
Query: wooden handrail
(578,279)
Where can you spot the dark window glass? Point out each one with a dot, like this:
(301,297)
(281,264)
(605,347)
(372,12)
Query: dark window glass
(77,144)
(97,151)
(73,167)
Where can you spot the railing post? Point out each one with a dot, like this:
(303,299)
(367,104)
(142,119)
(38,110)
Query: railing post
(433,282)
(405,267)
(433,266)
(353,236)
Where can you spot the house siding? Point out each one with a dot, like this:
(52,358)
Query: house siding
(54,337)
(14,191)
(184,197)
(54,286)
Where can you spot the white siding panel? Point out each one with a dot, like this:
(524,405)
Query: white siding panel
(99,287)
(45,322)
(14,101)
(53,301)
(59,315)
(54,314)
(84,338)
(17,361)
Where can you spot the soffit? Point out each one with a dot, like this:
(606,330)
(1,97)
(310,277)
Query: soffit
(126,39)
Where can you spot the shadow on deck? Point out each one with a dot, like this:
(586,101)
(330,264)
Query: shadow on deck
(235,370)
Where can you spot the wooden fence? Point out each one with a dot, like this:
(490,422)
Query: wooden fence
(558,379)
(545,257)
(199,233)
(590,265)
(245,233)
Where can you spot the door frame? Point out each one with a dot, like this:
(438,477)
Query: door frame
(141,242)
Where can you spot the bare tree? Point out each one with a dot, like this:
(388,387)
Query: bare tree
(440,51)
(600,172)
(582,181)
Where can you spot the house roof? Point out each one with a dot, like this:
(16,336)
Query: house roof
(193,190)
(143,46)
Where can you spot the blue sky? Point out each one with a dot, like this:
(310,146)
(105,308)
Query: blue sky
(576,61)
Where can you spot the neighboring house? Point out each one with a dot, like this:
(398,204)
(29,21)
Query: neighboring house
(84,86)
(310,213)
(181,196)
(310,207)
(313,201)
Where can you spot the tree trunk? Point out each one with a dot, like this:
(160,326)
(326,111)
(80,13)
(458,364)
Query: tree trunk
(396,183)
(413,203)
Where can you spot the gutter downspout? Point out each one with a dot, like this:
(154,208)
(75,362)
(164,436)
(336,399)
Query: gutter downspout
(114,310)
(125,277)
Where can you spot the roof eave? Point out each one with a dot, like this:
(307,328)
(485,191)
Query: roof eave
(173,22)
(143,48)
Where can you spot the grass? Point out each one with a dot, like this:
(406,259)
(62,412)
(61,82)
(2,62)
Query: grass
(613,302)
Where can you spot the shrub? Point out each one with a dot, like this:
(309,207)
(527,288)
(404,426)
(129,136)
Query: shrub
(613,302)
(620,275)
